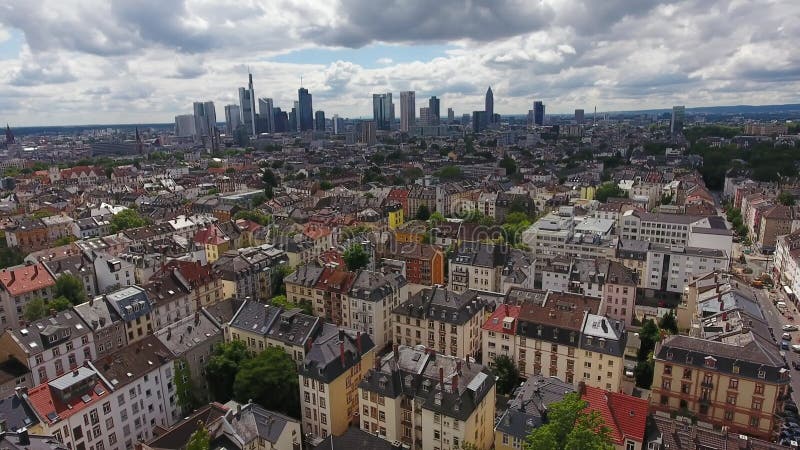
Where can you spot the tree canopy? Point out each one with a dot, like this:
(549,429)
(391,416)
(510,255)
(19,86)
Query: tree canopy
(254,215)
(269,379)
(608,190)
(126,219)
(450,173)
(283,302)
(356,257)
(71,287)
(507,374)
(669,323)
(200,439)
(423,213)
(570,426)
(222,368)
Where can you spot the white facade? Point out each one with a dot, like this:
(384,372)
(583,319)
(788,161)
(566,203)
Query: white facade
(671,268)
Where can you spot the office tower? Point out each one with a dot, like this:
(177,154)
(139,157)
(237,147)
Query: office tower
(205,120)
(424,116)
(368,128)
(382,110)
(480,121)
(466,119)
(293,123)
(319,121)
(391,116)
(433,111)
(305,112)
(408,110)
(579,116)
(232,118)
(538,113)
(678,116)
(338,124)
(184,125)
(9,135)
(451,115)
(489,106)
(266,112)
(247,106)
(281,120)
(530,117)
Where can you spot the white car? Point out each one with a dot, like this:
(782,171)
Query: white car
(796,348)
(789,327)
(786,337)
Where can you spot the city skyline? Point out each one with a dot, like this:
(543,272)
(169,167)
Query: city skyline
(70,67)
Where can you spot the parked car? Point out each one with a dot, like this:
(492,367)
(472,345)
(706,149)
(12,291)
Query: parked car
(796,348)
(786,337)
(790,327)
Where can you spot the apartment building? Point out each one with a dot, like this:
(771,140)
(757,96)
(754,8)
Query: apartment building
(135,309)
(247,272)
(670,268)
(51,346)
(106,326)
(776,221)
(424,263)
(739,382)
(556,234)
(370,302)
(18,286)
(28,235)
(329,378)
(477,266)
(426,400)
(438,318)
(677,229)
(214,241)
(499,334)
(787,261)
(260,326)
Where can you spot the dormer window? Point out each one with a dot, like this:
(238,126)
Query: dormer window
(762,373)
(670,355)
(735,368)
(710,362)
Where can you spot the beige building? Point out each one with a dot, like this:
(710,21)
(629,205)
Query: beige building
(442,320)
(329,377)
(477,266)
(369,304)
(427,400)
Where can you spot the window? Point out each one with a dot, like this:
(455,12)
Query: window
(729,415)
(109,423)
(106,407)
(687,373)
(323,418)
(733,383)
(731,399)
(630,445)
(756,404)
(759,389)
(436,435)
(666,384)
(754,421)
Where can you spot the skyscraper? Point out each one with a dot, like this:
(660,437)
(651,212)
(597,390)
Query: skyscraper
(382,110)
(266,112)
(247,106)
(579,116)
(9,135)
(184,125)
(205,120)
(338,124)
(319,121)
(489,106)
(305,111)
(281,120)
(368,132)
(232,118)
(678,116)
(425,116)
(480,121)
(408,110)
(434,113)
(538,113)
(451,115)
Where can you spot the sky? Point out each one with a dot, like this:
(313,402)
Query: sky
(65,62)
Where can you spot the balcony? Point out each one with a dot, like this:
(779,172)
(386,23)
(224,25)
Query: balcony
(705,401)
(707,384)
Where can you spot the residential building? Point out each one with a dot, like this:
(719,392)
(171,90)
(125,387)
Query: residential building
(477,266)
(135,309)
(424,263)
(329,378)
(370,302)
(499,334)
(18,286)
(247,272)
(28,235)
(775,221)
(426,400)
(787,261)
(214,241)
(669,268)
(446,321)
(666,433)
(624,415)
(106,326)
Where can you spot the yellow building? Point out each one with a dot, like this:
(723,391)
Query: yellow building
(329,377)
(588,192)
(395,218)
(428,401)
(739,385)
(214,242)
(414,231)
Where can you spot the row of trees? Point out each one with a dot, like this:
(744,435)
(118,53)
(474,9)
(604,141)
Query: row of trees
(649,335)
(734,216)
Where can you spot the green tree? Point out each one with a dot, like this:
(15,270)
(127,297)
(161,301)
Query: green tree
(269,178)
(643,373)
(277,276)
(64,241)
(325,185)
(786,198)
(450,173)
(283,302)
(648,336)
(669,323)
(59,304)
(9,256)
(570,426)
(70,287)
(507,374)
(34,309)
(254,215)
(356,257)
(222,368)
(509,164)
(435,219)
(200,439)
(423,213)
(126,219)
(184,388)
(608,190)
(269,379)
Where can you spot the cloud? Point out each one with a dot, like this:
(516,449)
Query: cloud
(384,61)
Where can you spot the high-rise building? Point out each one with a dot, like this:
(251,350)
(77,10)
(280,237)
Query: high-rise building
(319,121)
(434,113)
(368,132)
(538,113)
(232,118)
(424,116)
(451,115)
(184,125)
(382,110)
(480,121)
(338,124)
(466,119)
(678,116)
(281,120)
(205,120)
(247,106)
(579,116)
(266,113)
(305,111)
(489,106)
(407,110)
(293,126)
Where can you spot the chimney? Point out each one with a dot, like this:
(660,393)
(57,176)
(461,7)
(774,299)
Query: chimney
(21,391)
(35,271)
(341,335)
(441,376)
(238,410)
(341,352)
(22,436)
(13,278)
(91,300)
(358,341)
(454,382)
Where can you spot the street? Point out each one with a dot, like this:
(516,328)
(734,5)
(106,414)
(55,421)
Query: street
(776,320)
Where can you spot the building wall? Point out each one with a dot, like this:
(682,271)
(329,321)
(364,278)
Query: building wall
(461,341)
(478,429)
(619,302)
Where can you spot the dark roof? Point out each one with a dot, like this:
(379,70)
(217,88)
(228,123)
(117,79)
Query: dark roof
(178,435)
(305,275)
(224,310)
(130,303)
(324,362)
(441,304)
(375,286)
(289,326)
(133,361)
(12,369)
(480,254)
(252,422)
(11,441)
(530,401)
(16,412)
(97,314)
(355,438)
(47,332)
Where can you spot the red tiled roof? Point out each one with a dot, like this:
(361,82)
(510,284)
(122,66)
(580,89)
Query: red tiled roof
(210,235)
(315,232)
(247,225)
(335,280)
(498,315)
(332,256)
(625,416)
(44,402)
(194,272)
(26,279)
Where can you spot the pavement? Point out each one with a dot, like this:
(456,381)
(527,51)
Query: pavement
(776,320)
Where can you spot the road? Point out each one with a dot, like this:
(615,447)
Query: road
(776,320)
